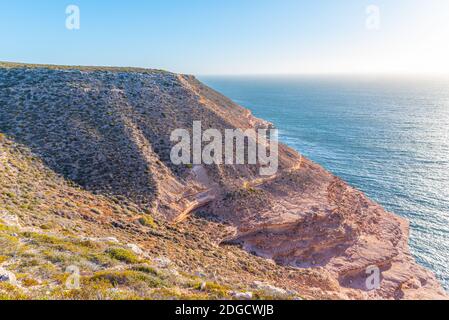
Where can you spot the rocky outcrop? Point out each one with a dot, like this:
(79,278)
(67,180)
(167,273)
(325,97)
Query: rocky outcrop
(108,131)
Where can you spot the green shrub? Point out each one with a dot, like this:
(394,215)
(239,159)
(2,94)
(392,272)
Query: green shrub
(128,278)
(123,255)
(29,282)
(145,269)
(147,221)
(212,288)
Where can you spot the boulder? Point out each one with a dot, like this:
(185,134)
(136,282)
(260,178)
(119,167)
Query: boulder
(7,276)
(242,295)
(135,248)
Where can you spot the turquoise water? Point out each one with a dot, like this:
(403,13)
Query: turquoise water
(388,137)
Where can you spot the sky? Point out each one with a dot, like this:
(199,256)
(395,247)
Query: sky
(213,37)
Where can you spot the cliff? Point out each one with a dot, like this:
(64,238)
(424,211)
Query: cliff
(85,156)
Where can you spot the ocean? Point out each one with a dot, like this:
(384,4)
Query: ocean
(386,136)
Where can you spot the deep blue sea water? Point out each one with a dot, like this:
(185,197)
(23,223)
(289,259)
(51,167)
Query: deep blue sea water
(388,137)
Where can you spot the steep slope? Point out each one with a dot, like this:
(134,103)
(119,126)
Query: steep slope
(107,132)
(48,225)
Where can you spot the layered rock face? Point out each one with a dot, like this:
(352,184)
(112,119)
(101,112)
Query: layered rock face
(108,130)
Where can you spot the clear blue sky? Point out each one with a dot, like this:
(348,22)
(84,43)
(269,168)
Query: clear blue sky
(232,36)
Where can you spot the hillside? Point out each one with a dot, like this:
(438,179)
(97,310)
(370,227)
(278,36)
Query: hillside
(86,180)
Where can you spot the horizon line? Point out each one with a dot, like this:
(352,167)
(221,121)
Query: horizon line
(261,74)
